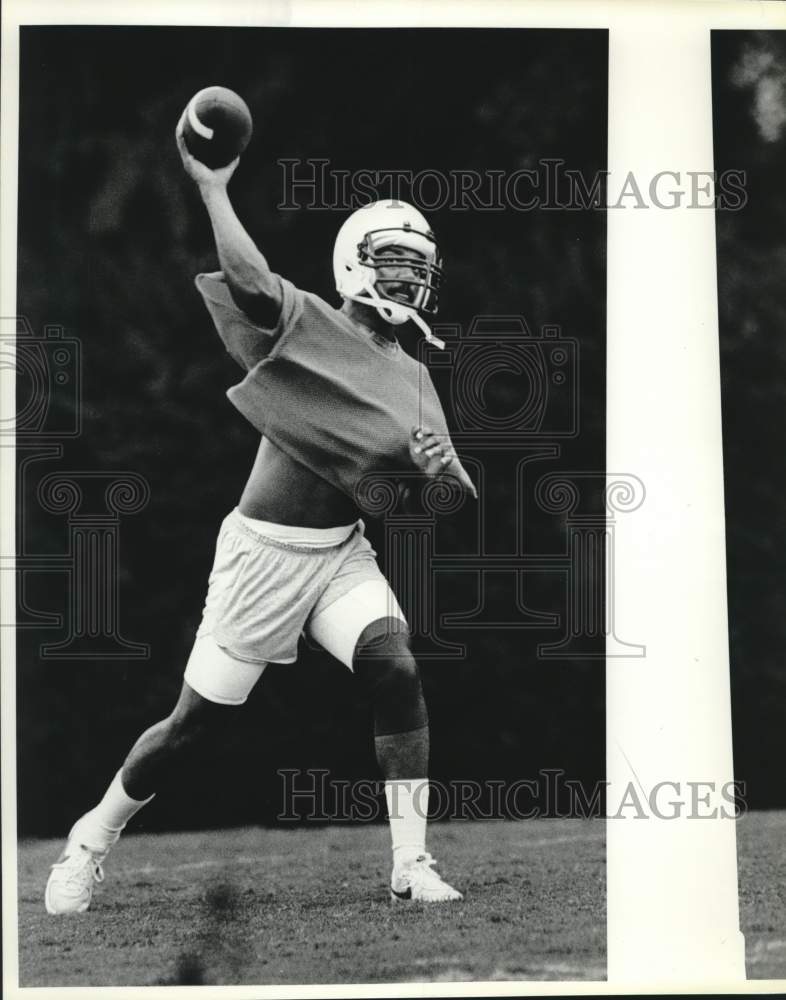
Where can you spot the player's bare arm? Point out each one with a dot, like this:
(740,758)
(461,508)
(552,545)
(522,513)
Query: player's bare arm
(278,489)
(250,281)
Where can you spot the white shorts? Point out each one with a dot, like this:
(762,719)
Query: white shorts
(272,583)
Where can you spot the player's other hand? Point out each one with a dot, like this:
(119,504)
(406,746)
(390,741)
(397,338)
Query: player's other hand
(434,457)
(203,176)
(430,454)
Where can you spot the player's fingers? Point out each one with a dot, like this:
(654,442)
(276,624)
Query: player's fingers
(437,449)
(425,443)
(182,148)
(446,460)
(181,122)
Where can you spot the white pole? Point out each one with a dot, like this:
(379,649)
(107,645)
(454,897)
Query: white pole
(672,882)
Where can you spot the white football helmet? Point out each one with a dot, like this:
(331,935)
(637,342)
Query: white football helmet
(359,253)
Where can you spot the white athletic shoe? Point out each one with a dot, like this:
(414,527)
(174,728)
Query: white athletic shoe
(71,881)
(417,882)
(75,874)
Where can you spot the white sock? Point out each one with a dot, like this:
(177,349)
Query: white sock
(407,802)
(103,825)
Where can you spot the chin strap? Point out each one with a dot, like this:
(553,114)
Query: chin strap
(430,337)
(385,306)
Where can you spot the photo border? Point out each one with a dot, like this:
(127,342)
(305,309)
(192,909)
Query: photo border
(664,22)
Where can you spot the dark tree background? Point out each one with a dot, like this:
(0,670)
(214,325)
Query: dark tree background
(749,88)
(110,236)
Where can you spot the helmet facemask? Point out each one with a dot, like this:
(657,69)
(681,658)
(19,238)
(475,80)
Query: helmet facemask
(420,258)
(360,259)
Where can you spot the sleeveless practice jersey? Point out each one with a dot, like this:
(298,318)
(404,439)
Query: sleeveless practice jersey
(339,401)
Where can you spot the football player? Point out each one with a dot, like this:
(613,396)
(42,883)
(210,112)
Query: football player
(336,399)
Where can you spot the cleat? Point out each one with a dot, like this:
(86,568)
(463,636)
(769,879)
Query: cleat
(71,882)
(75,874)
(416,882)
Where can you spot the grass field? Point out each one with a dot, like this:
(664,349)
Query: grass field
(761,858)
(310,906)
(305,906)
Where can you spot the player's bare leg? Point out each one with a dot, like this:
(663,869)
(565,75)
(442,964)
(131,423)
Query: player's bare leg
(161,749)
(156,755)
(389,676)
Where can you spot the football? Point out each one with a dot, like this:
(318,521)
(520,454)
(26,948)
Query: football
(217,127)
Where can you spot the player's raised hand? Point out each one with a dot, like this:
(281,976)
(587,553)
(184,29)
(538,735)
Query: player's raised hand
(203,176)
(434,456)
